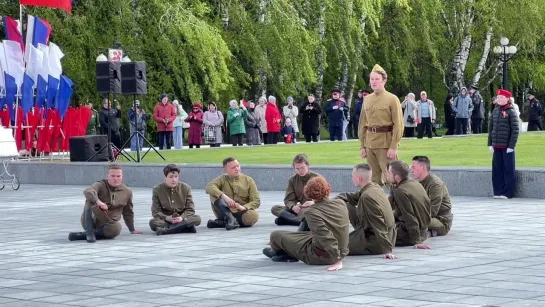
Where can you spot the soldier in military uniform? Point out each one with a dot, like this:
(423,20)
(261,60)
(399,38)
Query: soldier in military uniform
(381,125)
(371,216)
(172,206)
(105,202)
(234,198)
(93,125)
(295,201)
(411,206)
(441,215)
(327,241)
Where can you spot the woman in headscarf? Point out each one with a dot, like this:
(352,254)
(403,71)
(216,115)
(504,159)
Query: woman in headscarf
(260,111)
(292,112)
(235,120)
(195,127)
(213,120)
(409,115)
(181,115)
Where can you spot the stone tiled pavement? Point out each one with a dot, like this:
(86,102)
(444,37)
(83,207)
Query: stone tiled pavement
(493,256)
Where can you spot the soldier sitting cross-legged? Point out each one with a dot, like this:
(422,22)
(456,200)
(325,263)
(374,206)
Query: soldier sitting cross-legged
(295,201)
(371,216)
(105,202)
(172,206)
(234,198)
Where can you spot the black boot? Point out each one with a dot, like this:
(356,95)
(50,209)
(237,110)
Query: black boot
(217,223)
(279,256)
(172,229)
(77,236)
(303,226)
(269,252)
(228,217)
(89,224)
(287,218)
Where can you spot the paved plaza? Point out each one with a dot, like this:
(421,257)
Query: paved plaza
(492,257)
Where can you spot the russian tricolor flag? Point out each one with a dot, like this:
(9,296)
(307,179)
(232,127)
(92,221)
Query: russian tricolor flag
(13,33)
(61,4)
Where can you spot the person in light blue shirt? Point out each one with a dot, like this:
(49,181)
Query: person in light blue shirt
(425,114)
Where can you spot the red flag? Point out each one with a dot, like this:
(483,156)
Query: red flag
(61,4)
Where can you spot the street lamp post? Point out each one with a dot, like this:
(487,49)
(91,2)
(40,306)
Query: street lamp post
(506,53)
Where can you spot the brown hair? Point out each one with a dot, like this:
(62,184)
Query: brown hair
(301,158)
(317,188)
(171,168)
(114,166)
(399,168)
(228,160)
(382,73)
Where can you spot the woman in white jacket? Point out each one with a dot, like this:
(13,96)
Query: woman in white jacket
(178,135)
(290,111)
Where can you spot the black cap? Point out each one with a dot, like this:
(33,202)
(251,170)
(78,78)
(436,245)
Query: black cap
(364,91)
(532,92)
(336,90)
(474,87)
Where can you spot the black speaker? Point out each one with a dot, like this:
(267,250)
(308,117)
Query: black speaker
(133,78)
(108,76)
(82,148)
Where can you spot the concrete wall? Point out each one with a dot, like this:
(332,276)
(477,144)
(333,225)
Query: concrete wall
(461,181)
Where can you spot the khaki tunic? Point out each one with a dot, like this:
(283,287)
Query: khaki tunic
(173,202)
(381,110)
(242,190)
(327,240)
(119,201)
(294,194)
(441,215)
(373,221)
(412,212)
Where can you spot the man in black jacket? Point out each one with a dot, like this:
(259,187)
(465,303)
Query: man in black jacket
(502,138)
(336,111)
(478,111)
(534,118)
(108,120)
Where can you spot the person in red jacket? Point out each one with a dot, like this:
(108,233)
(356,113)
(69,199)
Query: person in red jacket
(4,116)
(164,115)
(274,120)
(195,126)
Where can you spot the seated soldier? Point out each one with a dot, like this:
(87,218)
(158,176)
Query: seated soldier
(411,206)
(327,241)
(105,202)
(371,216)
(234,198)
(172,206)
(295,201)
(441,215)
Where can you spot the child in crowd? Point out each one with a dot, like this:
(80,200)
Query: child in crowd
(288,132)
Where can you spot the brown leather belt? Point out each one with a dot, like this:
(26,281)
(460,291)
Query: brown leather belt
(378,129)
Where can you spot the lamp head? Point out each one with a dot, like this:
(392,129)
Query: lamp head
(504,41)
(512,49)
(101,58)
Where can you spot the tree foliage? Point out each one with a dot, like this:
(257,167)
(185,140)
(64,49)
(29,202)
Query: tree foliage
(218,50)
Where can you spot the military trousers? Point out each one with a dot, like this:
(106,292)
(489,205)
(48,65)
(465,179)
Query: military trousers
(245,219)
(378,160)
(360,242)
(299,246)
(441,227)
(103,226)
(404,239)
(192,220)
(278,209)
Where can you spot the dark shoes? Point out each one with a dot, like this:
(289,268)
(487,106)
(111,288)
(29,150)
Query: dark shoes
(80,236)
(175,228)
(278,257)
(217,223)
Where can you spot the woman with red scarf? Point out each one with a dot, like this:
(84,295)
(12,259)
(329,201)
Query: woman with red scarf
(502,138)
(274,119)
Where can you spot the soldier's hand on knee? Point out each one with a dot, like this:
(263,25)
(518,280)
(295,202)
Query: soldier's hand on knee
(102,206)
(296,208)
(307,204)
(239,207)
